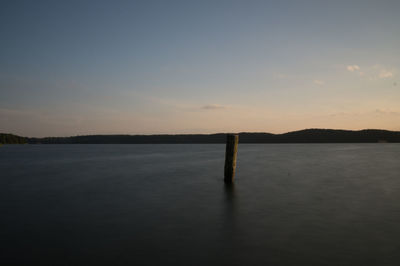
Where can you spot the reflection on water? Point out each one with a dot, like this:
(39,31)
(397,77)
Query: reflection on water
(320,204)
(230,209)
(230,193)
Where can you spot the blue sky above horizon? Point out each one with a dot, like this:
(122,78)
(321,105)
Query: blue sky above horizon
(143,67)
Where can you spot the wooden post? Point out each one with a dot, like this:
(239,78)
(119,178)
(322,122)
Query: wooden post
(230,157)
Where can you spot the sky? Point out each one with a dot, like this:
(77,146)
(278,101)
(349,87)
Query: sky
(149,67)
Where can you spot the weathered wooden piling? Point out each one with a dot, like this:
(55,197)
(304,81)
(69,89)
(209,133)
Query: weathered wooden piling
(230,157)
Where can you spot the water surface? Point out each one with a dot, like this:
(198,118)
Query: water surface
(292,204)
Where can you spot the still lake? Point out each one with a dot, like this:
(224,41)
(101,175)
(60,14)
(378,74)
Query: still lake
(292,204)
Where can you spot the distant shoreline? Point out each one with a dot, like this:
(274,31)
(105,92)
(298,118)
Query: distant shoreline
(301,136)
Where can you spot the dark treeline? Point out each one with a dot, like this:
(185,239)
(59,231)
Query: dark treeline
(12,139)
(302,136)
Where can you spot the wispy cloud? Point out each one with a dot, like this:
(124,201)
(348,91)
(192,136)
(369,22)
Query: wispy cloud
(353,68)
(386,112)
(383,74)
(213,107)
(319,82)
(375,72)
(370,113)
(185,105)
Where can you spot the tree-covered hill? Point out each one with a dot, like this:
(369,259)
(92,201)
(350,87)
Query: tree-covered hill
(301,136)
(12,139)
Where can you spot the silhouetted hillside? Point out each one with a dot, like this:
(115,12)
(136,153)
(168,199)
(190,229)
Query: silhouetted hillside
(341,136)
(12,139)
(302,136)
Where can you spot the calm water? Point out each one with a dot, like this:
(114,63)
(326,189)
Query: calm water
(293,204)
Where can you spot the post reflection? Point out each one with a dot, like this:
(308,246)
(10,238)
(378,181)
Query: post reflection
(229,193)
(230,205)
(230,229)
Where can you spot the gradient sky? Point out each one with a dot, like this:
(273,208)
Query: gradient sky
(144,67)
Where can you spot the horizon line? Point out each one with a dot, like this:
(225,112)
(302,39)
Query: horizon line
(206,134)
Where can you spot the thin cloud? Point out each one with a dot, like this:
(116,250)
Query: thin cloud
(353,68)
(318,82)
(213,107)
(375,72)
(386,112)
(385,74)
